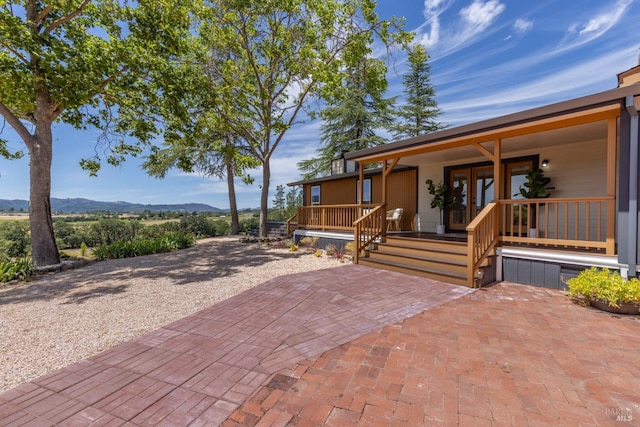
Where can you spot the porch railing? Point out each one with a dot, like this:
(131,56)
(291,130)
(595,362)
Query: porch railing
(584,223)
(482,237)
(331,217)
(367,229)
(292,224)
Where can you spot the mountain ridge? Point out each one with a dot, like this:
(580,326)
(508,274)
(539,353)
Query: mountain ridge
(82,205)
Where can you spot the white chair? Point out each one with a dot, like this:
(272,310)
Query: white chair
(394,217)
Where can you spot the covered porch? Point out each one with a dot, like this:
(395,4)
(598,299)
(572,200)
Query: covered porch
(584,143)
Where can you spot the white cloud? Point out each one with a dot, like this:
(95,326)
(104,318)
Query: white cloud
(473,24)
(522,26)
(581,33)
(601,23)
(479,15)
(575,80)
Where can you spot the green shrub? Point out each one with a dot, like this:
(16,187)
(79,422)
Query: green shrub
(129,249)
(604,285)
(83,249)
(20,268)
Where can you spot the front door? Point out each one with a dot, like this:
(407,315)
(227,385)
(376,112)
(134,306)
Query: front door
(472,188)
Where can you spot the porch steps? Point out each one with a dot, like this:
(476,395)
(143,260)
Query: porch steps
(435,259)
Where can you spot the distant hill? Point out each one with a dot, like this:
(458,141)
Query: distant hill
(86,205)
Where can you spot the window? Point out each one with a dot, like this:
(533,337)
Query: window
(366,189)
(315,195)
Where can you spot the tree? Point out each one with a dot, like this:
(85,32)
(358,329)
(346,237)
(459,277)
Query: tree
(418,115)
(294,199)
(354,120)
(88,64)
(279,203)
(203,146)
(272,57)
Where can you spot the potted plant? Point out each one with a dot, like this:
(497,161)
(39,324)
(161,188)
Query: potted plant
(534,188)
(442,200)
(606,290)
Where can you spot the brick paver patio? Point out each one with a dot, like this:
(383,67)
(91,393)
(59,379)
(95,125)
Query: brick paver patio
(196,371)
(508,355)
(356,346)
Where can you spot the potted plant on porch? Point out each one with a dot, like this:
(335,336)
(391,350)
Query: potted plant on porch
(534,188)
(442,200)
(606,290)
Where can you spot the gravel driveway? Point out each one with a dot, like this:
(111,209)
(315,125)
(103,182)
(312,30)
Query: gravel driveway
(61,318)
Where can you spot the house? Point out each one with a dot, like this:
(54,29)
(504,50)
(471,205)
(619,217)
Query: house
(587,146)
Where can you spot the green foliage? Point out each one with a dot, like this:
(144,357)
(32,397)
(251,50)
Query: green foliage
(418,115)
(441,197)
(15,240)
(128,249)
(293,201)
(83,249)
(110,230)
(536,185)
(317,253)
(16,269)
(354,120)
(293,247)
(604,285)
(91,64)
(266,60)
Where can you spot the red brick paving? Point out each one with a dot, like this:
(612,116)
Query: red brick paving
(198,370)
(354,346)
(508,355)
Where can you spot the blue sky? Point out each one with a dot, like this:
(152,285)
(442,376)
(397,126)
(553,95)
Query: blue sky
(488,58)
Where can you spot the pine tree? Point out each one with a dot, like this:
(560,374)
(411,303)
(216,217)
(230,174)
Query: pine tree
(353,122)
(279,203)
(419,113)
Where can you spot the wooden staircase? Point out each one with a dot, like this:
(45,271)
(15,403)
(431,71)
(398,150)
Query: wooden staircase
(432,258)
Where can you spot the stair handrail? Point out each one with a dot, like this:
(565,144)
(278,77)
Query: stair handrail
(290,223)
(366,229)
(483,234)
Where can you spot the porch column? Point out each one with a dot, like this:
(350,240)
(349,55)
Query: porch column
(497,176)
(495,158)
(386,170)
(612,134)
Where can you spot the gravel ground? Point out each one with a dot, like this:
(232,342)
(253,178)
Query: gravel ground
(61,318)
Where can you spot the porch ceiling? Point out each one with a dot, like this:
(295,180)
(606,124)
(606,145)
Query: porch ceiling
(550,138)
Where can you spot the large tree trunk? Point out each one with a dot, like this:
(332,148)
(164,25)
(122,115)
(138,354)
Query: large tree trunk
(264,198)
(43,243)
(235,221)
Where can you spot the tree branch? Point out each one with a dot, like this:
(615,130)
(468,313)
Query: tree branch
(17,125)
(42,15)
(61,21)
(15,52)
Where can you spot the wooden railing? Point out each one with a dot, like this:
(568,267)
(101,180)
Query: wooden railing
(482,237)
(367,229)
(331,217)
(292,224)
(583,223)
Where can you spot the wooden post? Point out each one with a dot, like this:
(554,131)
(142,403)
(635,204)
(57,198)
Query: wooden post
(612,134)
(497,176)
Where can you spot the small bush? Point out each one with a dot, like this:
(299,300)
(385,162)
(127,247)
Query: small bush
(309,242)
(605,285)
(83,249)
(293,247)
(317,253)
(20,268)
(338,253)
(129,249)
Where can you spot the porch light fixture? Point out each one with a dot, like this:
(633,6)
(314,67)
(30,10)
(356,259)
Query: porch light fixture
(545,163)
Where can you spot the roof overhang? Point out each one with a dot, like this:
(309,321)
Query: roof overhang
(348,175)
(600,106)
